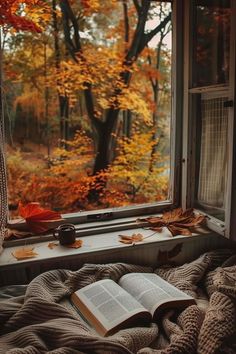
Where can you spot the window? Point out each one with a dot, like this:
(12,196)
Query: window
(200,87)
(90,111)
(209,114)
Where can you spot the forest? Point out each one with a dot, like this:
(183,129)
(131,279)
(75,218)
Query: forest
(87,102)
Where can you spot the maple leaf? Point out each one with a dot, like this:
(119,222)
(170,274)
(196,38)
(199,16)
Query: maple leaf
(76,244)
(39,219)
(24,253)
(177,221)
(131,239)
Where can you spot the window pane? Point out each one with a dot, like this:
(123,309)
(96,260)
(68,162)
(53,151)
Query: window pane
(89,114)
(211,43)
(211,185)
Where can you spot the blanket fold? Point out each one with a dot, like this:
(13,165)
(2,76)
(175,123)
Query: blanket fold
(44,321)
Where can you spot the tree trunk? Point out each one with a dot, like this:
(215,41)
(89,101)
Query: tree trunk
(63,100)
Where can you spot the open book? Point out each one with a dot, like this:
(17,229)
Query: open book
(137,299)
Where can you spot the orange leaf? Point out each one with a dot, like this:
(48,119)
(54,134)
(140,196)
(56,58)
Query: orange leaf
(24,253)
(76,244)
(131,239)
(52,245)
(137,237)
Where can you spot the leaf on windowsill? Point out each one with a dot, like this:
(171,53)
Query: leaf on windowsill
(24,253)
(39,219)
(76,244)
(131,239)
(177,221)
(12,233)
(52,245)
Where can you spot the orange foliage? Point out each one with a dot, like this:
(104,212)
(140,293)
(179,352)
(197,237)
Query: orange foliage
(66,184)
(33,9)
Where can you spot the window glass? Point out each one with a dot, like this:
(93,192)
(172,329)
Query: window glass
(211,42)
(88,114)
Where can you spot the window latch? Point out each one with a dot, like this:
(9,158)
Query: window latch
(100,216)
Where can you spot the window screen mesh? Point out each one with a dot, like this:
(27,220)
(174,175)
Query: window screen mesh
(213,153)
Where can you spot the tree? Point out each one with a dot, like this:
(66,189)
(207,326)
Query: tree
(105,123)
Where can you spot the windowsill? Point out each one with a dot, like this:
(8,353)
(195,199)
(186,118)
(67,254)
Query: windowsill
(92,245)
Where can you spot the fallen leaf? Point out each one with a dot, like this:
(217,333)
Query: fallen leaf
(131,239)
(76,244)
(12,233)
(52,245)
(24,253)
(177,221)
(39,219)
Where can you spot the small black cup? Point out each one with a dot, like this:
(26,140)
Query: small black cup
(65,233)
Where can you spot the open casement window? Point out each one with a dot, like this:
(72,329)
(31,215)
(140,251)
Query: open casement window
(172,114)
(209,109)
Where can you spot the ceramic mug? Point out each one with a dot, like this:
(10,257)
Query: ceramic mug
(65,234)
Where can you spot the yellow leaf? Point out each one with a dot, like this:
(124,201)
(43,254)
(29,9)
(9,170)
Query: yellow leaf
(24,253)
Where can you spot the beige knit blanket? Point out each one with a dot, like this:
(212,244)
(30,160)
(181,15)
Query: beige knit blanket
(42,321)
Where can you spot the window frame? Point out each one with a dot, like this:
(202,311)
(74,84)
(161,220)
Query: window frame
(106,216)
(189,128)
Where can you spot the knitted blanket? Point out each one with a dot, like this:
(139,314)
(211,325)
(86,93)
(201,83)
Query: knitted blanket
(43,321)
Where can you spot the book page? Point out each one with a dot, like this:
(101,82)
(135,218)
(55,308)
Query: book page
(151,290)
(108,302)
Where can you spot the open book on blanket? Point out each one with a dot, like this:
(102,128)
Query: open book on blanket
(137,300)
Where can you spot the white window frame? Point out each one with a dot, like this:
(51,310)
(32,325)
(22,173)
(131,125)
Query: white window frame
(189,139)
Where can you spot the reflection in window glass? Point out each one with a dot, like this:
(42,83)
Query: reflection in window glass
(213,156)
(88,118)
(211,44)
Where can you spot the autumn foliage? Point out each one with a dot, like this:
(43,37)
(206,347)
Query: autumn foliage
(89,101)
(11,14)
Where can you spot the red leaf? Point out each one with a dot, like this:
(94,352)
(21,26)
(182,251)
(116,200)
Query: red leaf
(39,219)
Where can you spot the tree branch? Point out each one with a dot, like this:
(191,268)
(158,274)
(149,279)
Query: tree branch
(148,36)
(137,6)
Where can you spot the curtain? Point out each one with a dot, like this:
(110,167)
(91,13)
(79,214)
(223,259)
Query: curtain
(3,176)
(213,153)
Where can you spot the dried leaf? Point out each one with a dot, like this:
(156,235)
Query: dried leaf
(76,244)
(39,219)
(131,239)
(24,253)
(137,237)
(127,242)
(52,245)
(12,233)
(177,221)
